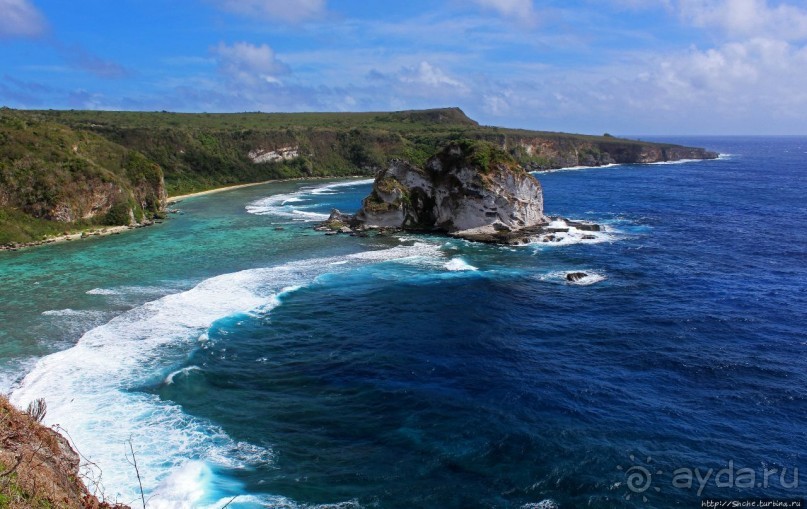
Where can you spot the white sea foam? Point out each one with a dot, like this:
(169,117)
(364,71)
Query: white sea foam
(184,371)
(573,236)
(294,205)
(92,388)
(139,290)
(575,168)
(458,264)
(74,313)
(331,188)
(543,504)
(679,161)
(103,291)
(559,276)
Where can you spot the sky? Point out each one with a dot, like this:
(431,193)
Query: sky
(587,66)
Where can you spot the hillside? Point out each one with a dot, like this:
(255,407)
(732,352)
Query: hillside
(38,467)
(55,178)
(45,155)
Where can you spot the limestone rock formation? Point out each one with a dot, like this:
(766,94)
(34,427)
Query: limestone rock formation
(471,189)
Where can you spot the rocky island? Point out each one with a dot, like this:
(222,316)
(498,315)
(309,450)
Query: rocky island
(470,189)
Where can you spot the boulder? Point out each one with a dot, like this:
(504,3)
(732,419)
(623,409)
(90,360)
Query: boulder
(575,276)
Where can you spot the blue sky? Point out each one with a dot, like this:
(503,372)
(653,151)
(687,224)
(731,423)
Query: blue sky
(618,66)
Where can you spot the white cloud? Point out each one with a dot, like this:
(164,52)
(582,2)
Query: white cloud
(737,18)
(747,17)
(248,64)
(760,73)
(285,10)
(518,9)
(19,18)
(754,86)
(425,74)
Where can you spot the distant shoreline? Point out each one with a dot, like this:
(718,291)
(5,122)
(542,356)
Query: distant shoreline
(178,198)
(101,231)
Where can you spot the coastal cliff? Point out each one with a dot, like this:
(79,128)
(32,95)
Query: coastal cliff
(470,189)
(53,179)
(69,170)
(38,467)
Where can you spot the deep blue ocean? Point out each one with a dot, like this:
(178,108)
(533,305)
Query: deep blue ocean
(253,361)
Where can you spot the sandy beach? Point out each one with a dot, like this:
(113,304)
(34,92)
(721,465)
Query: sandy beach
(175,199)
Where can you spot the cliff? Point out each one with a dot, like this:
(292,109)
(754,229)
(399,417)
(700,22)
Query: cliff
(38,468)
(78,168)
(470,189)
(53,178)
(199,151)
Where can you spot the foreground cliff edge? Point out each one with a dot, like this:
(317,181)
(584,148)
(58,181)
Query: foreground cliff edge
(38,467)
(68,171)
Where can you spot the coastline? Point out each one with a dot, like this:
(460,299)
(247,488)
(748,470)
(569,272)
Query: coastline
(104,231)
(178,198)
(82,235)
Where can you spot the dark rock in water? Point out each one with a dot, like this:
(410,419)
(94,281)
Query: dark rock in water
(584,226)
(279,228)
(575,276)
(338,222)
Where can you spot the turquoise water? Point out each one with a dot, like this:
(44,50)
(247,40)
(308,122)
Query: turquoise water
(245,355)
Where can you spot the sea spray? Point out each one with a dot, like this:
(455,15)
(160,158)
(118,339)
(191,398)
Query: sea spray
(94,389)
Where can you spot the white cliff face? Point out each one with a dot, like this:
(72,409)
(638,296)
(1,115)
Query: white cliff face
(271,156)
(453,195)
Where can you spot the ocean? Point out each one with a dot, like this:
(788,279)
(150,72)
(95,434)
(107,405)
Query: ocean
(248,360)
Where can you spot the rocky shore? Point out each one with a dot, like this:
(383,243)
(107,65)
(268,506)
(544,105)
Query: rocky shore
(38,466)
(68,237)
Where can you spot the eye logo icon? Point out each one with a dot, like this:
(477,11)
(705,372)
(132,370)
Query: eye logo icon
(639,478)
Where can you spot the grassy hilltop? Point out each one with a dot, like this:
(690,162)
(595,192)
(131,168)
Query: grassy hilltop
(62,170)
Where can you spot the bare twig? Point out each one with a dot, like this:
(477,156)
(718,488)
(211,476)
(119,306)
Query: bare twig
(137,471)
(37,409)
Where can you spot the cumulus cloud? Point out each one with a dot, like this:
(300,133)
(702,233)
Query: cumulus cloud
(412,85)
(747,17)
(737,18)
(284,10)
(759,72)
(249,64)
(19,18)
(427,75)
(751,86)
